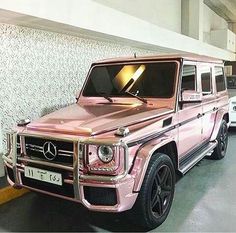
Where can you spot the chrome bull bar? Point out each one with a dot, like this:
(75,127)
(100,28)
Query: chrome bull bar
(12,158)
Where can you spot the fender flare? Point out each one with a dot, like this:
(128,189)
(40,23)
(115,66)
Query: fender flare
(142,158)
(218,119)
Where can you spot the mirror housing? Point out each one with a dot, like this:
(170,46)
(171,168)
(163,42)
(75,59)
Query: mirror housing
(190,96)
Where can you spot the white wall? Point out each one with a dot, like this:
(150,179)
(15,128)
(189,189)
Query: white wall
(41,71)
(92,18)
(192,18)
(212,21)
(164,13)
(1,149)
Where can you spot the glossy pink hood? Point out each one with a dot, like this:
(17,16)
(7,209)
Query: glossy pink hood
(90,120)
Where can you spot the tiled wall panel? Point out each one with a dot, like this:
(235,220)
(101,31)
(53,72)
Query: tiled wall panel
(41,71)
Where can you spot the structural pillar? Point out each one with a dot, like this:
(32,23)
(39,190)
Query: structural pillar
(192,18)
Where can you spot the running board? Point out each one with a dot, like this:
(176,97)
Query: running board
(197,156)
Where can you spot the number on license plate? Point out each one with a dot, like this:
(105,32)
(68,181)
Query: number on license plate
(43,175)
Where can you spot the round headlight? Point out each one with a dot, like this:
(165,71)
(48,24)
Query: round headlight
(105,154)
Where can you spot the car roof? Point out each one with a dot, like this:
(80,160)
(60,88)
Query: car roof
(188,57)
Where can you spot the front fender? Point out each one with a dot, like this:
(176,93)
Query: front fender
(142,159)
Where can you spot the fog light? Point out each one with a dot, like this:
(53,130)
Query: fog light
(234,108)
(105,153)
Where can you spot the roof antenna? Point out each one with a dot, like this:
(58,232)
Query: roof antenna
(135,55)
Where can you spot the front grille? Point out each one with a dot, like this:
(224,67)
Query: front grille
(35,146)
(100,196)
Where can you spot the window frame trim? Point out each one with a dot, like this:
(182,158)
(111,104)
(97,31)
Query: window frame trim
(196,76)
(211,92)
(225,83)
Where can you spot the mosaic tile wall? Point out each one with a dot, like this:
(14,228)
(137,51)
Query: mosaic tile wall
(41,71)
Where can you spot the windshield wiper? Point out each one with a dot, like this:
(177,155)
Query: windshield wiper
(138,97)
(104,95)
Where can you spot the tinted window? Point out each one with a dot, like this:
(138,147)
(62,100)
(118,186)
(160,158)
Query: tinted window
(206,80)
(146,80)
(189,77)
(231,82)
(220,79)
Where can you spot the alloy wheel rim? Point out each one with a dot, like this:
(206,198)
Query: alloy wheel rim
(223,139)
(161,191)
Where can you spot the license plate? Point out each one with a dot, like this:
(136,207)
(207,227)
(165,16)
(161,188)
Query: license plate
(43,175)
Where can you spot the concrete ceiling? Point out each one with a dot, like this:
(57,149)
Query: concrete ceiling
(224,8)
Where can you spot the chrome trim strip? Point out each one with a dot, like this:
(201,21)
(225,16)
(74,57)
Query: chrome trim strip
(76,147)
(23,149)
(33,149)
(5,157)
(40,162)
(33,146)
(14,156)
(66,151)
(9,143)
(68,181)
(66,155)
(40,149)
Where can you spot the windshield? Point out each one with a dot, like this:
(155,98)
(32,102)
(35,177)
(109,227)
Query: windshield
(154,80)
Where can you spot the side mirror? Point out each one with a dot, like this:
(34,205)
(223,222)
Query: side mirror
(190,96)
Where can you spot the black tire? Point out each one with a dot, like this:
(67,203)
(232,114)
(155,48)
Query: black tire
(156,195)
(222,138)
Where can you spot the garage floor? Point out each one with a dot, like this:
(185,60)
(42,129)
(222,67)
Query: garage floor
(205,200)
(3,182)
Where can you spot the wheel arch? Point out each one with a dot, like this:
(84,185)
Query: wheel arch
(166,146)
(221,114)
(226,117)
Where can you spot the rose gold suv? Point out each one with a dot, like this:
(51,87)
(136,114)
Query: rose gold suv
(137,122)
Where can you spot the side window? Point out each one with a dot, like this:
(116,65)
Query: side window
(220,79)
(189,77)
(206,81)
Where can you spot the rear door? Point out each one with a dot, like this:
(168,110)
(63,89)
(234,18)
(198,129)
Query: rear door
(190,124)
(220,85)
(208,99)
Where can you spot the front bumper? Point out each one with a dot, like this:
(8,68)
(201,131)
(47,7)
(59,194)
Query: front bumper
(95,192)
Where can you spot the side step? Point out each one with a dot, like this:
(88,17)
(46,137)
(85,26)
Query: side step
(194,158)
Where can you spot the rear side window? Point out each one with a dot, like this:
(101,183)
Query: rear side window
(206,81)
(189,77)
(220,79)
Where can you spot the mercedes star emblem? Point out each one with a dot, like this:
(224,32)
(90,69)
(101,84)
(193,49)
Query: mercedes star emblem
(49,150)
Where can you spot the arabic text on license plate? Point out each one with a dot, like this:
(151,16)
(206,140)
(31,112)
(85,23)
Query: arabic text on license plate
(43,175)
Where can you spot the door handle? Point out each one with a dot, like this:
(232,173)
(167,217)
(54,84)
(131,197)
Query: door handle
(199,115)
